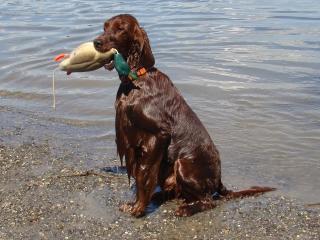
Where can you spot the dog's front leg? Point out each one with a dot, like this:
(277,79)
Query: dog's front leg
(154,142)
(147,174)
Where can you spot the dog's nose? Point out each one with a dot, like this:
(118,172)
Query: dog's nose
(97,43)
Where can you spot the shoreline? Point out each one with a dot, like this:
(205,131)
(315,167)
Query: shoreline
(46,192)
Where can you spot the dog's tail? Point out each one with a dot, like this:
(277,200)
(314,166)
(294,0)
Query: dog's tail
(253,191)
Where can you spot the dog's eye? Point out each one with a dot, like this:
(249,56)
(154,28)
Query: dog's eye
(120,28)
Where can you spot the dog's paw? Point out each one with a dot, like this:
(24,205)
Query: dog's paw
(126,207)
(137,211)
(183,211)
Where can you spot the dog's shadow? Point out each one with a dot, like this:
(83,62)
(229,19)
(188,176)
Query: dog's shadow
(115,169)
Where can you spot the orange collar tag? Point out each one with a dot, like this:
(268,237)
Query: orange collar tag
(141,71)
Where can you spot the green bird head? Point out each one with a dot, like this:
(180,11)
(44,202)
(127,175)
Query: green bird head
(122,67)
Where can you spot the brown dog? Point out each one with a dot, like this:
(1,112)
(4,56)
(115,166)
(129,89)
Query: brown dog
(163,141)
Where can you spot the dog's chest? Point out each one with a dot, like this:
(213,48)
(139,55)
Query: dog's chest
(122,119)
(126,132)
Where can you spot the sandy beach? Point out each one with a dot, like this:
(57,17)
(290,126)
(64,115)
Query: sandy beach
(47,192)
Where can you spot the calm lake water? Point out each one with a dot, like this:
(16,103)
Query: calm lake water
(250,70)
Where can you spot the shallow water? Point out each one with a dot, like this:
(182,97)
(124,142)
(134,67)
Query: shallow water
(250,70)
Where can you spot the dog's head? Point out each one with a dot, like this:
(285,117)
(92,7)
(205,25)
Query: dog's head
(123,33)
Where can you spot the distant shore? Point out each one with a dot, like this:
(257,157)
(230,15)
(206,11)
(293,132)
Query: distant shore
(45,193)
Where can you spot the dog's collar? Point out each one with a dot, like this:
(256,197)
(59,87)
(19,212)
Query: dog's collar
(123,68)
(139,72)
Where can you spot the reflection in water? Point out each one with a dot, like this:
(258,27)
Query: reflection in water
(249,69)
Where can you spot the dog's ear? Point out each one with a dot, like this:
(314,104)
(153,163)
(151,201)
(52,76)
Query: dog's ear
(140,54)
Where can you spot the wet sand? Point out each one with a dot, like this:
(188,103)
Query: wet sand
(47,191)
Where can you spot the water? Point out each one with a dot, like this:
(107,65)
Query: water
(250,70)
